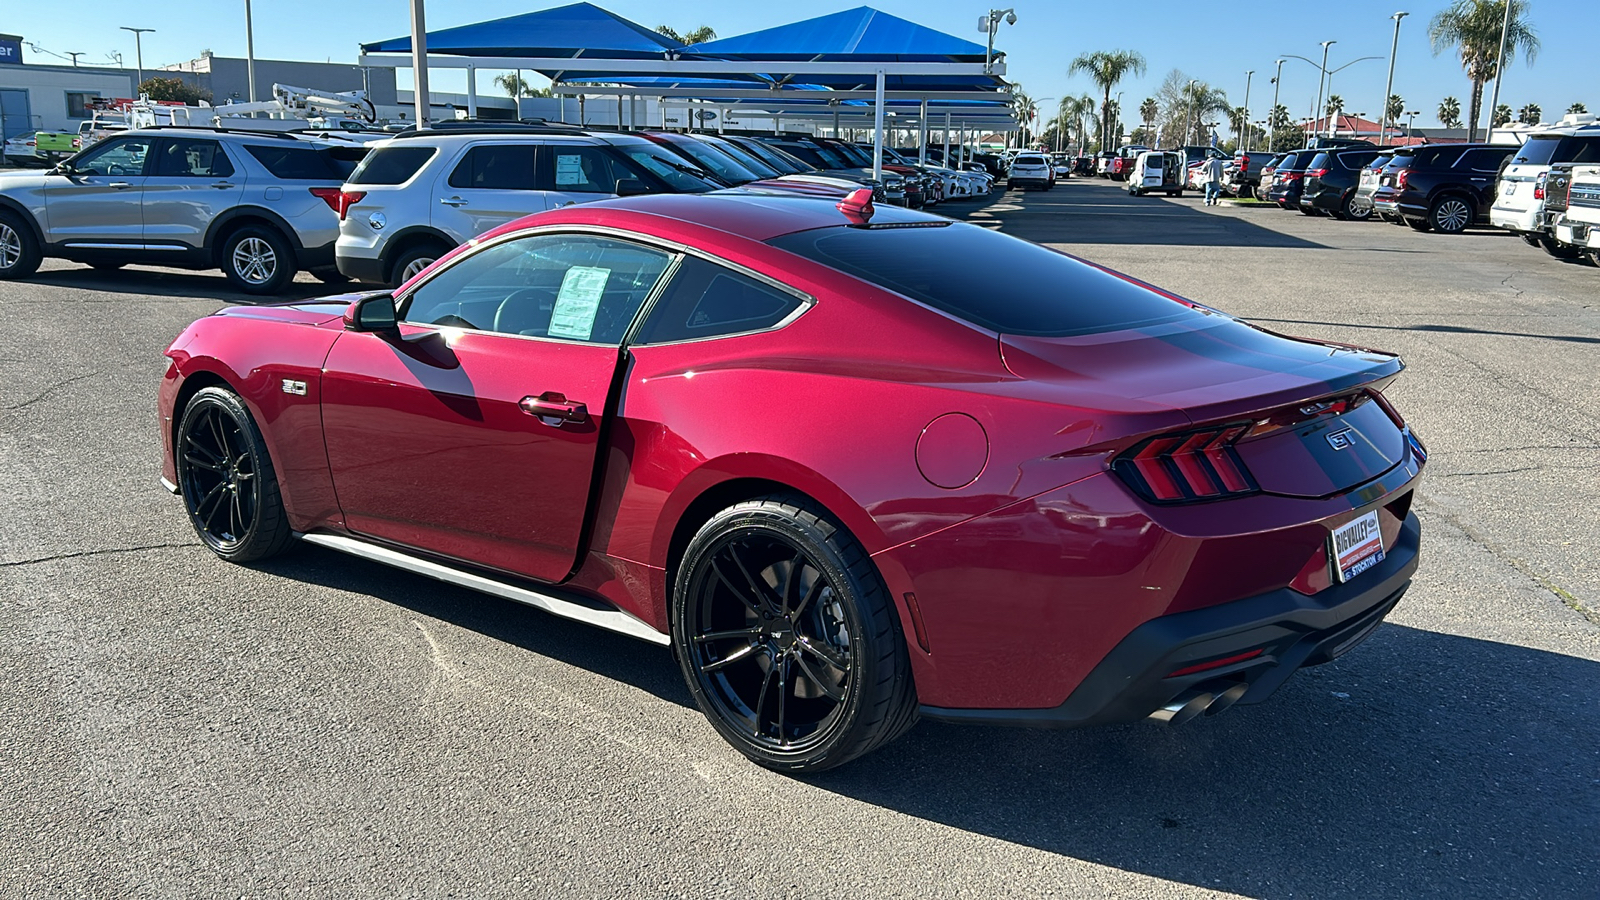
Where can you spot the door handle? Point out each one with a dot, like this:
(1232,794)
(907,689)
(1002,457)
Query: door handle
(553,405)
(452,201)
(119,185)
(222,185)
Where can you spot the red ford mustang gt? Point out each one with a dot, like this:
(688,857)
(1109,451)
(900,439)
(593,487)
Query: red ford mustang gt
(853,464)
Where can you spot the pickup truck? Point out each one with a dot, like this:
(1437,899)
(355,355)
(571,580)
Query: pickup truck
(1576,211)
(1244,175)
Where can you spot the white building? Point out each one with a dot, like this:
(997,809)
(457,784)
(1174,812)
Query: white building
(53,98)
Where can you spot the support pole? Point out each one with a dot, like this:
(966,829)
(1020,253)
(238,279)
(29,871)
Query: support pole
(472,92)
(249,50)
(419,64)
(877,130)
(922,134)
(946,157)
(1388,86)
(1499,74)
(1272,133)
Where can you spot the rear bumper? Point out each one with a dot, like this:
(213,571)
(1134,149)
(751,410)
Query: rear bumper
(1518,220)
(1292,630)
(1576,234)
(362,268)
(1016,181)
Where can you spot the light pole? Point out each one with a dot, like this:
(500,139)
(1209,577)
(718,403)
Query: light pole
(1383,128)
(1499,74)
(1326,74)
(1317,110)
(1411,119)
(1272,132)
(419,68)
(1117,106)
(990,24)
(138,54)
(1244,118)
(1188,120)
(1036,104)
(250,50)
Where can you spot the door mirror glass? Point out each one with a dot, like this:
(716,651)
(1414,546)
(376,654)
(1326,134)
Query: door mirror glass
(629,187)
(374,313)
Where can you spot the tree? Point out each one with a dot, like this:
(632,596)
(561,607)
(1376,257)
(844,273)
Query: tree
(516,86)
(1106,69)
(698,36)
(1285,133)
(1502,115)
(1530,114)
(1080,112)
(1577,109)
(1394,109)
(1472,28)
(1025,109)
(1334,106)
(1450,112)
(175,89)
(1148,110)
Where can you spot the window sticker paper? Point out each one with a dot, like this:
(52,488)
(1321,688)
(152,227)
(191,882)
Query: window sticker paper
(578,302)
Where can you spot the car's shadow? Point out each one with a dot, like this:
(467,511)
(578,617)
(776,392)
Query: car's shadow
(1422,764)
(174,283)
(1094,211)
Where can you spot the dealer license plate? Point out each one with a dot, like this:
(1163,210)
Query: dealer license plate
(1511,188)
(1357,546)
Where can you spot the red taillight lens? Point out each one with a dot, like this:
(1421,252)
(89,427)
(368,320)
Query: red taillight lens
(1293,176)
(338,200)
(1400,177)
(1317,173)
(1197,465)
(1538,188)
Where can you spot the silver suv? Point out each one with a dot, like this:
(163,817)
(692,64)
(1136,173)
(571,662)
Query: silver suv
(259,206)
(421,193)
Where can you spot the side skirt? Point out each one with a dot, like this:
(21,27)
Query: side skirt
(609,619)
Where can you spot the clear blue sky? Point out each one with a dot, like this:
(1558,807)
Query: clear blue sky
(1205,40)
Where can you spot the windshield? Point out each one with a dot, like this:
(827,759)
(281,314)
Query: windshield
(725,167)
(856,155)
(832,158)
(743,156)
(680,175)
(776,158)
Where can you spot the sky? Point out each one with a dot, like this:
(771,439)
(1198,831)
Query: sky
(1207,41)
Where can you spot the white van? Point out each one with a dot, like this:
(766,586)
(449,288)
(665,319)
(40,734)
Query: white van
(1157,171)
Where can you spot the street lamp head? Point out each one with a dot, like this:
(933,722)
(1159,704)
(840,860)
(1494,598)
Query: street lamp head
(1399,15)
(1011,17)
(1327,44)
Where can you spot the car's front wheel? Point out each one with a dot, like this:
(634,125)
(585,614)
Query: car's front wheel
(228,484)
(788,639)
(412,262)
(1450,215)
(19,251)
(258,260)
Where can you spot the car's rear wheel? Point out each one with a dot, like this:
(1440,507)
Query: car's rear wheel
(1559,250)
(788,639)
(1418,224)
(1450,215)
(19,251)
(1348,210)
(228,484)
(1530,238)
(258,260)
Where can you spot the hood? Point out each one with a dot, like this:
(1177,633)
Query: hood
(318,311)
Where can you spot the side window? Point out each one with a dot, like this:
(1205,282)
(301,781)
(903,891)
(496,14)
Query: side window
(573,287)
(504,167)
(707,300)
(192,159)
(124,156)
(583,169)
(1483,160)
(1585,150)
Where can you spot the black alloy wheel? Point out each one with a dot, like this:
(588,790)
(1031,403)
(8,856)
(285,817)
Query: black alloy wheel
(787,638)
(228,484)
(1450,215)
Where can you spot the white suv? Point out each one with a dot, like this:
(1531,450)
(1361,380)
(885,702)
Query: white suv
(1519,204)
(421,193)
(1031,170)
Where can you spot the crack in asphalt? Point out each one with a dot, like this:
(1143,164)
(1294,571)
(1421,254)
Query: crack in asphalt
(1504,283)
(1533,447)
(1565,596)
(50,390)
(82,553)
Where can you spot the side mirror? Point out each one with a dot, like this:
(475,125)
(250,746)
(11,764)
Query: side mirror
(631,187)
(373,313)
(63,169)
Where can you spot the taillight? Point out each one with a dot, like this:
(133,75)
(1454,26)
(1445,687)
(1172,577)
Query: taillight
(1244,161)
(1538,188)
(338,200)
(1293,176)
(1198,465)
(1400,177)
(1317,173)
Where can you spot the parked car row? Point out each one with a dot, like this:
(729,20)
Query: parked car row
(262,206)
(1546,191)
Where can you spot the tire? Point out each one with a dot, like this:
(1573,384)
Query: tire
(330,275)
(229,487)
(19,249)
(106,266)
(1450,215)
(1560,250)
(742,611)
(1594,257)
(1349,212)
(1419,224)
(258,260)
(414,260)
(1530,238)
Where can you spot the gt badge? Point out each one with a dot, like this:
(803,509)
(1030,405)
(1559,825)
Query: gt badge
(297,388)
(1339,440)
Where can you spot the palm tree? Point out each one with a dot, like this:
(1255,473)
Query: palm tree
(1394,109)
(1023,107)
(1450,112)
(1148,110)
(1472,28)
(516,86)
(1530,114)
(1502,115)
(698,36)
(1201,101)
(1077,109)
(1106,69)
(1577,108)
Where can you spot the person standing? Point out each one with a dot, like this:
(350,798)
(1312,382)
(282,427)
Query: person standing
(1211,177)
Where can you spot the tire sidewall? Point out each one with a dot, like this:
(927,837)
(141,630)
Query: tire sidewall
(257,542)
(748,519)
(28,261)
(397,274)
(281,277)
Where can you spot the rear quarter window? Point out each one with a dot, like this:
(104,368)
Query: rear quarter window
(391,165)
(1584,149)
(1536,151)
(989,279)
(293,163)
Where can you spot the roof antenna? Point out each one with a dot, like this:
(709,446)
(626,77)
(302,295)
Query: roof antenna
(857,206)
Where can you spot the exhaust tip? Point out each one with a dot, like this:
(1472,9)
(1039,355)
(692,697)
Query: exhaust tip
(1227,698)
(1185,708)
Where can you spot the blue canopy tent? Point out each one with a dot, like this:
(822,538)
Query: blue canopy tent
(842,57)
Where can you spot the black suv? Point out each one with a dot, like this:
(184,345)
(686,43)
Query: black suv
(1289,178)
(1330,183)
(1444,187)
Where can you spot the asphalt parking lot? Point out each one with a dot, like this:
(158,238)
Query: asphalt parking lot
(172,725)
